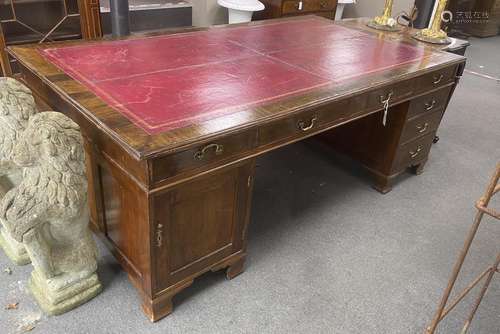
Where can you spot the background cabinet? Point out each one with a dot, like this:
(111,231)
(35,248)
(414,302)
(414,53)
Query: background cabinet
(480,18)
(38,21)
(280,8)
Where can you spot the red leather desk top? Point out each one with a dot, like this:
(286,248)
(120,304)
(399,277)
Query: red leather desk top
(166,82)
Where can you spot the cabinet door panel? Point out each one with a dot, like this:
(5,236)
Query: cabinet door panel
(201,222)
(201,219)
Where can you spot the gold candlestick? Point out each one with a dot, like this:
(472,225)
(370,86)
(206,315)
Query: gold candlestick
(386,21)
(435,34)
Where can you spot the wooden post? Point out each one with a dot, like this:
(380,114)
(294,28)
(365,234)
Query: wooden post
(90,18)
(4,57)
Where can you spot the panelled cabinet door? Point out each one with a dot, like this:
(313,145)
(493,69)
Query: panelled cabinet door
(200,222)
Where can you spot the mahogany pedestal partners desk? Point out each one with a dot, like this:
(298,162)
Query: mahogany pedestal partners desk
(173,124)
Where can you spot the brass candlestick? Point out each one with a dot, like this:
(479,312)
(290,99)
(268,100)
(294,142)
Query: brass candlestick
(386,21)
(435,34)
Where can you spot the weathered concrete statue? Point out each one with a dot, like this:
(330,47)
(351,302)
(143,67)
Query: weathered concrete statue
(48,212)
(16,107)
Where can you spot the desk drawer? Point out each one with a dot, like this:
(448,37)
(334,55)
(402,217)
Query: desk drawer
(405,89)
(304,123)
(304,6)
(414,152)
(429,102)
(312,121)
(203,156)
(421,126)
(297,126)
(437,78)
(408,88)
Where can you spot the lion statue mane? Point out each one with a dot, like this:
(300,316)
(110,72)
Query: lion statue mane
(48,210)
(17,105)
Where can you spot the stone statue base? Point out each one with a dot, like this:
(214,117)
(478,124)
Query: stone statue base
(47,210)
(14,250)
(55,296)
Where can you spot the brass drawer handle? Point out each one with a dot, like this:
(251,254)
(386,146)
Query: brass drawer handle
(323,4)
(430,105)
(302,125)
(218,149)
(437,79)
(415,154)
(422,128)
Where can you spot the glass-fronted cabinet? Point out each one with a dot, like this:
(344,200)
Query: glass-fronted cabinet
(38,21)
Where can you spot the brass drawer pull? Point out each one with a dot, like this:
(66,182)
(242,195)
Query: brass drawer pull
(437,79)
(323,4)
(415,154)
(302,125)
(430,105)
(218,149)
(422,128)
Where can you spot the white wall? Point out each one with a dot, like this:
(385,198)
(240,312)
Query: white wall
(370,8)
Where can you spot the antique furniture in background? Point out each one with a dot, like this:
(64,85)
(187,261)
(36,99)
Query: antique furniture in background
(479,18)
(38,21)
(90,18)
(171,178)
(444,307)
(283,8)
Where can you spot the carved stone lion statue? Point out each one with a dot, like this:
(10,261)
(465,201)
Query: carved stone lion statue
(48,212)
(17,105)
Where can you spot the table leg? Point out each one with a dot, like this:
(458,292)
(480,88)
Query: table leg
(419,169)
(381,183)
(236,268)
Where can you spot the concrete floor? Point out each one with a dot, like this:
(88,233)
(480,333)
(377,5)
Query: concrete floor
(327,254)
